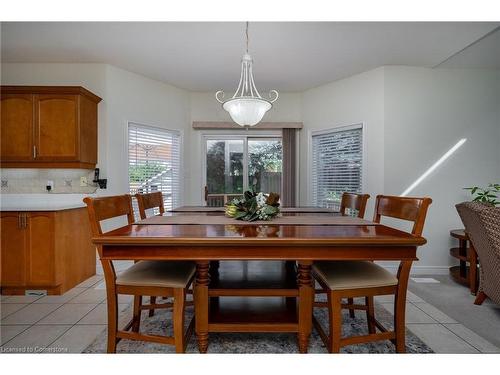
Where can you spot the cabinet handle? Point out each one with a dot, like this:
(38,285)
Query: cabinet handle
(25,218)
(34,152)
(19,218)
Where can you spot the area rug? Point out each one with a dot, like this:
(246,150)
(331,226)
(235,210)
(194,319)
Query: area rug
(245,343)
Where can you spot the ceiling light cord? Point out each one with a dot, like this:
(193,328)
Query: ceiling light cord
(247,36)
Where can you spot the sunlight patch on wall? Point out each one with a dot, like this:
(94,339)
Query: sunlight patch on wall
(434,166)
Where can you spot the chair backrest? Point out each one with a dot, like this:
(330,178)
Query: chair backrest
(404,208)
(104,208)
(354,201)
(482,225)
(148,201)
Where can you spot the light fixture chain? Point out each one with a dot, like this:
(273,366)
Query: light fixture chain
(247,36)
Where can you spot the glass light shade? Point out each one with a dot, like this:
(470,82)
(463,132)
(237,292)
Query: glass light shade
(247,111)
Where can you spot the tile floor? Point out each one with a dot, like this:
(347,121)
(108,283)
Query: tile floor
(69,323)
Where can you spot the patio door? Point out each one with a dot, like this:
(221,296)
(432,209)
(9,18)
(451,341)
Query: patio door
(236,164)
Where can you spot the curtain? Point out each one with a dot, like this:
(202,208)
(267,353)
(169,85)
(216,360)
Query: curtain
(289,176)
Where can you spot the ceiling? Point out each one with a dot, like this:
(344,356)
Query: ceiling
(288,56)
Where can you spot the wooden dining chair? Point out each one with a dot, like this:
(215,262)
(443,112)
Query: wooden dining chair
(351,279)
(144,278)
(357,203)
(148,201)
(353,201)
(145,202)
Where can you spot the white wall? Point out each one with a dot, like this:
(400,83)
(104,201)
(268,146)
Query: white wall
(426,112)
(132,97)
(354,100)
(412,116)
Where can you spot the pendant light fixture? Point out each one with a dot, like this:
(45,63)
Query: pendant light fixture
(247,107)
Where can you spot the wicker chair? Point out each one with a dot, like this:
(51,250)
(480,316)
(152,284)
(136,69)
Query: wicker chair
(482,225)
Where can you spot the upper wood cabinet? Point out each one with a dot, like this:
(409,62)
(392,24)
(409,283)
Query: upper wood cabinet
(48,127)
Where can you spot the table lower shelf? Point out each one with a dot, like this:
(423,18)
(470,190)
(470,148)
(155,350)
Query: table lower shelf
(253,314)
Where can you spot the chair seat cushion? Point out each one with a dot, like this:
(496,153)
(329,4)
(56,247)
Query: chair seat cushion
(340,275)
(158,273)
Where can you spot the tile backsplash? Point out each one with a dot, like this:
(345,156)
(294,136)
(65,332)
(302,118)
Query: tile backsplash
(34,181)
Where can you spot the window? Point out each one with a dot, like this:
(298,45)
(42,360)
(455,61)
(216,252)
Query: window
(154,162)
(336,164)
(234,164)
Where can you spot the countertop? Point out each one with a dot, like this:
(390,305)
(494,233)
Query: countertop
(41,202)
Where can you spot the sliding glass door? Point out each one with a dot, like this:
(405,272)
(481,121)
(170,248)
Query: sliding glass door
(236,164)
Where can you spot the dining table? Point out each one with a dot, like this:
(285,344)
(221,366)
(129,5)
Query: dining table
(300,236)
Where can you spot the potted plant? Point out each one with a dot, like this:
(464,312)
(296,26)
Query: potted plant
(489,194)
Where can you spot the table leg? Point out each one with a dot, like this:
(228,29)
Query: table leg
(201,302)
(306,298)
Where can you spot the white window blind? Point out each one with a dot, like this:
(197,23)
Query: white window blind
(154,162)
(337,158)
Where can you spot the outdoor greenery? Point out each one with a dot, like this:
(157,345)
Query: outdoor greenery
(489,194)
(262,157)
(141,172)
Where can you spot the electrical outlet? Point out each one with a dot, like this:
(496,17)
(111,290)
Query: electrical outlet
(83,181)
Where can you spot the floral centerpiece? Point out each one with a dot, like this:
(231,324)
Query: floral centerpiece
(254,206)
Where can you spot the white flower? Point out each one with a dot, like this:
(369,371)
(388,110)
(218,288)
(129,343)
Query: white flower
(261,199)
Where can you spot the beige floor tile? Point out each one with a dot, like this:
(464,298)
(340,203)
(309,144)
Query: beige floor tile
(31,313)
(37,337)
(99,314)
(413,314)
(413,297)
(435,313)
(22,299)
(8,308)
(4,298)
(90,281)
(69,313)
(76,339)
(440,339)
(9,332)
(90,296)
(472,338)
(63,298)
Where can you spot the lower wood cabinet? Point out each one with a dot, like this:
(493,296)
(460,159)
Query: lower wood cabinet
(46,250)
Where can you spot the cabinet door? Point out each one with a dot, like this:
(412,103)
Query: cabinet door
(13,250)
(16,127)
(40,248)
(56,127)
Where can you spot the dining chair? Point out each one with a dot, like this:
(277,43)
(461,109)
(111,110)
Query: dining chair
(146,202)
(144,278)
(351,279)
(354,203)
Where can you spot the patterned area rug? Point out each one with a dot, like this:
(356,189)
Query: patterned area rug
(161,324)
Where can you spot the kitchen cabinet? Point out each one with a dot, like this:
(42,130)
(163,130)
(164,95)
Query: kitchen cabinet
(48,127)
(45,250)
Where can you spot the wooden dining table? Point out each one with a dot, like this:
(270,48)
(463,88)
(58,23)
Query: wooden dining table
(207,239)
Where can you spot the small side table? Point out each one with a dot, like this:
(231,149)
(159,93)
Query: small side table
(465,253)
